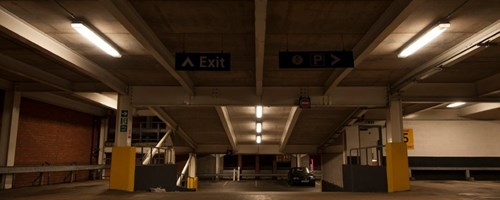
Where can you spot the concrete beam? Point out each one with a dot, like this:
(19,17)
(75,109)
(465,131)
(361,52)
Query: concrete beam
(478,108)
(245,96)
(488,86)
(102,99)
(415,108)
(259,149)
(433,90)
(260,40)
(160,113)
(290,124)
(448,58)
(395,14)
(33,73)
(64,102)
(228,126)
(135,24)
(24,32)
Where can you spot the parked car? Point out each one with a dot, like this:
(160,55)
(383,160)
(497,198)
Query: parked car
(301,176)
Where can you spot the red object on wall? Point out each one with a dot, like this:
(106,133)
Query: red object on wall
(304,102)
(54,135)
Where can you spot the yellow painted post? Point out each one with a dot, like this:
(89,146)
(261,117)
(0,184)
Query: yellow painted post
(122,169)
(397,167)
(192,183)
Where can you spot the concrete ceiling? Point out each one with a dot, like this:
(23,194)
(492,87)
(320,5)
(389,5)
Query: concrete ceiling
(44,58)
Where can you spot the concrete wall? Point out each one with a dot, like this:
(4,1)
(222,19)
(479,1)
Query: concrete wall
(332,171)
(456,138)
(205,164)
(52,134)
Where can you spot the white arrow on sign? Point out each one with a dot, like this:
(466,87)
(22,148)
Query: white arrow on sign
(335,59)
(186,62)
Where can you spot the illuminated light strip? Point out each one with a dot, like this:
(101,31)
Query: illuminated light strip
(424,39)
(96,39)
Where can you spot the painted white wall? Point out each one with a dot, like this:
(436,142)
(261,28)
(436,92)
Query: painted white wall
(331,168)
(455,138)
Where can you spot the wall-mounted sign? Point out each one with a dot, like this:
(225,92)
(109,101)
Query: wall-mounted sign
(316,59)
(203,61)
(408,138)
(123,120)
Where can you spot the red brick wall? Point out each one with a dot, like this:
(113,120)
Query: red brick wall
(52,134)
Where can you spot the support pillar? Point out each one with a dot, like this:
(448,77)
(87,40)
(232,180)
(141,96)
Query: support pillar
(397,155)
(123,155)
(192,166)
(192,179)
(8,135)
(123,130)
(103,134)
(217,166)
(298,160)
(170,155)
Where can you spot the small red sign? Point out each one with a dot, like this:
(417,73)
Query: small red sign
(305,102)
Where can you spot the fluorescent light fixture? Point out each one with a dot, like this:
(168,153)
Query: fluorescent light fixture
(455,104)
(96,39)
(424,39)
(258,111)
(258,127)
(258,138)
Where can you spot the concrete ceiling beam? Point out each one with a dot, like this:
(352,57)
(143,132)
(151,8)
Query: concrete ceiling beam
(126,14)
(20,68)
(228,126)
(160,113)
(459,52)
(64,102)
(290,124)
(28,34)
(245,96)
(260,41)
(395,14)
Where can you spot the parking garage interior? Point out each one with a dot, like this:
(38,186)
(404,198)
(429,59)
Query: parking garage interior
(223,96)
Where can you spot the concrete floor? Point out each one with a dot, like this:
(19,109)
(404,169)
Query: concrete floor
(252,190)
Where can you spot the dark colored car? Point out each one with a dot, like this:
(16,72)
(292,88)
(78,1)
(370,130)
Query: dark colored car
(301,176)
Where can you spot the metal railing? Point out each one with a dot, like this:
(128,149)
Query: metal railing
(375,159)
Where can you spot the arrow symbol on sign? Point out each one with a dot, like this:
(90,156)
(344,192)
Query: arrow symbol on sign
(335,59)
(187,62)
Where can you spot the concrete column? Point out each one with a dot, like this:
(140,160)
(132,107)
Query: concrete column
(394,122)
(396,151)
(103,134)
(8,135)
(298,160)
(192,166)
(123,130)
(217,166)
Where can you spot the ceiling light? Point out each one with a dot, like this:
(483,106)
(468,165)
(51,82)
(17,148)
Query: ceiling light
(95,38)
(258,138)
(258,127)
(258,111)
(424,39)
(455,104)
